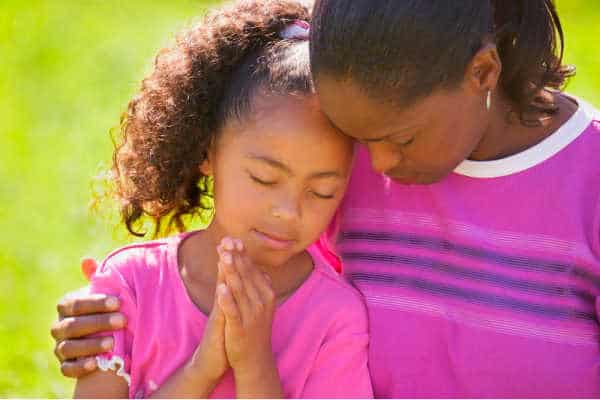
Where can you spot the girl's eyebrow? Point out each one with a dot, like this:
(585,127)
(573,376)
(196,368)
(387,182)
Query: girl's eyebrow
(281,166)
(325,174)
(273,163)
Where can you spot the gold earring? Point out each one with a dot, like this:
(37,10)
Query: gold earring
(488,100)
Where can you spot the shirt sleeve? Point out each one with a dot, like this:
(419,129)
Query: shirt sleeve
(326,243)
(341,366)
(110,279)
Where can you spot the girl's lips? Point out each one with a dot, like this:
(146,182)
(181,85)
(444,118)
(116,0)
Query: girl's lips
(273,241)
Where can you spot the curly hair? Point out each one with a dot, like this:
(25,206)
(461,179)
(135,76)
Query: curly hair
(402,51)
(209,75)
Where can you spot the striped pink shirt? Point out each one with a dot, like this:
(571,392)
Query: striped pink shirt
(485,284)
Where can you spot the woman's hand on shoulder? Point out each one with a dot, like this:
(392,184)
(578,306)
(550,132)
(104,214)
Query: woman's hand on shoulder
(81,314)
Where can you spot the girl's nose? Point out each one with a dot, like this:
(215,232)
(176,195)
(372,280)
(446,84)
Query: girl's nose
(288,209)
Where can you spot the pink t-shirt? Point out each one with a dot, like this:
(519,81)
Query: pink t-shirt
(320,334)
(486,284)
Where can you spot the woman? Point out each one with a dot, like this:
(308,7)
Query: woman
(483,279)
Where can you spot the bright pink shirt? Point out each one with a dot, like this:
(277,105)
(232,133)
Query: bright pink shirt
(486,284)
(320,333)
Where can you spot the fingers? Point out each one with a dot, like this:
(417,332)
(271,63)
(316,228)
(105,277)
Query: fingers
(78,368)
(227,304)
(251,288)
(248,275)
(232,277)
(70,306)
(75,327)
(72,349)
(257,282)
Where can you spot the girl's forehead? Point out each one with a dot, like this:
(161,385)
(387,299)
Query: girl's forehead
(273,114)
(291,130)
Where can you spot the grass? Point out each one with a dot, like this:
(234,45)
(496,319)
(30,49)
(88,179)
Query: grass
(67,70)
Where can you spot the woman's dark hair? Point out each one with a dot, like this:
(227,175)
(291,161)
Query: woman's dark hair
(210,75)
(401,51)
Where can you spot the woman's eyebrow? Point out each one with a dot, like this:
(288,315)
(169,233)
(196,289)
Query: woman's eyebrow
(404,131)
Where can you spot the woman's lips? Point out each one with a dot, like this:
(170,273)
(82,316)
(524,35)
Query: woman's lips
(273,240)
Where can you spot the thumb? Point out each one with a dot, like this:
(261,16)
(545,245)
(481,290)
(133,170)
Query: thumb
(217,314)
(88,267)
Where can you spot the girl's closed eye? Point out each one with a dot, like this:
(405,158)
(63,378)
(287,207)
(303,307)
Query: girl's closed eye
(325,192)
(323,196)
(262,180)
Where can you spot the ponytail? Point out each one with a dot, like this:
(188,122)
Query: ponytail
(170,124)
(530,42)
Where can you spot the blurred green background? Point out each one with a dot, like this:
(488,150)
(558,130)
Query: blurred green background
(67,70)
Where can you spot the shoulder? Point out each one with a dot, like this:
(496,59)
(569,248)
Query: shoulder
(129,265)
(584,122)
(137,255)
(335,296)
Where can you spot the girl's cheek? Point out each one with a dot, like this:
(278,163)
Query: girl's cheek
(319,214)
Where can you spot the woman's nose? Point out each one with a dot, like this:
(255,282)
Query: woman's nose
(383,157)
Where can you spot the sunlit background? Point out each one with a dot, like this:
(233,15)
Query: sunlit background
(67,70)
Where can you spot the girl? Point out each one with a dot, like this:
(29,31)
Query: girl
(240,308)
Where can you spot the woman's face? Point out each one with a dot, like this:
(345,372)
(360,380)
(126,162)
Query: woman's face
(420,144)
(279,176)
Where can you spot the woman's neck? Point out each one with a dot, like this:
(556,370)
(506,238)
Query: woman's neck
(506,135)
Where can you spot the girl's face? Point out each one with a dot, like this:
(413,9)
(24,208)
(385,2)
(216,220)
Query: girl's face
(279,176)
(419,144)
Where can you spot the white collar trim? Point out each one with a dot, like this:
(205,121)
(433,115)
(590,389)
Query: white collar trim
(537,154)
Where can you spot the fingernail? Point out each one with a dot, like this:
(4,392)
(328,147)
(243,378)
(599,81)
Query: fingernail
(239,245)
(228,243)
(117,321)
(222,288)
(107,343)
(90,364)
(112,303)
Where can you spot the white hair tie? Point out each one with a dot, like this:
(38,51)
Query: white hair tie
(298,29)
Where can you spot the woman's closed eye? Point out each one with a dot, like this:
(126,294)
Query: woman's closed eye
(403,141)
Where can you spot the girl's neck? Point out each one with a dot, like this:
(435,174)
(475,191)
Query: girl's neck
(506,135)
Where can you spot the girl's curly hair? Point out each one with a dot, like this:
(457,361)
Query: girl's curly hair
(209,75)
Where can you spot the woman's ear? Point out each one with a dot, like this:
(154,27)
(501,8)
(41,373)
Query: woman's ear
(483,72)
